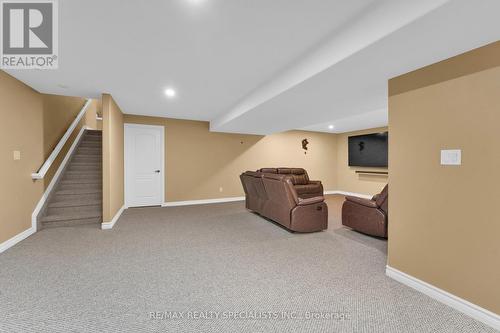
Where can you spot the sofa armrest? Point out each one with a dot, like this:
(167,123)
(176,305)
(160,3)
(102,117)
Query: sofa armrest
(310,201)
(318,183)
(361,201)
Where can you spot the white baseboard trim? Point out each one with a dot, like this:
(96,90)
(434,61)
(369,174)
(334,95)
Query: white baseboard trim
(201,202)
(16,239)
(232,199)
(54,180)
(487,317)
(352,194)
(109,225)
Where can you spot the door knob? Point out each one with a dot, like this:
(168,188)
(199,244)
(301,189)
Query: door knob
(157,171)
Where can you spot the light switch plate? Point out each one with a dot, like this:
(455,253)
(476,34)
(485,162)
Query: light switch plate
(451,157)
(17,155)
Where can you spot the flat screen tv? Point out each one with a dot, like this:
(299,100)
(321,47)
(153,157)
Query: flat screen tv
(368,150)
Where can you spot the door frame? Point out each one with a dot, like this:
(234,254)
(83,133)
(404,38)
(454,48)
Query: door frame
(125,167)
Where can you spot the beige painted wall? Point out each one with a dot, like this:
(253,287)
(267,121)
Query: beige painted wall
(200,162)
(113,162)
(58,114)
(347,178)
(98,109)
(91,115)
(21,128)
(444,226)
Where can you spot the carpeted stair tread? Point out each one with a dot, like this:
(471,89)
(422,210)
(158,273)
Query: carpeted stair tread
(86,173)
(76,217)
(97,148)
(76,168)
(95,173)
(76,197)
(83,163)
(71,211)
(92,159)
(88,153)
(79,191)
(80,187)
(76,203)
(79,178)
(90,156)
(93,138)
(72,223)
(87,159)
(90,180)
(91,144)
(91,149)
(88,134)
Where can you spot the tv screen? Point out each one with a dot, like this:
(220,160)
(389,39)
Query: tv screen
(368,150)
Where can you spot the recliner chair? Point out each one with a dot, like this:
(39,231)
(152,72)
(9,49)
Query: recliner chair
(367,216)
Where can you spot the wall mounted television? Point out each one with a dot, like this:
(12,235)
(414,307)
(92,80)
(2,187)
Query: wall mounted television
(369,150)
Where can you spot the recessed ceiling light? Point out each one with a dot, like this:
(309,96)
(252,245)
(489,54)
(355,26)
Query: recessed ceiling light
(331,127)
(170,92)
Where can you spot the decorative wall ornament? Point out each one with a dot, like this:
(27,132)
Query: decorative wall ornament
(304,145)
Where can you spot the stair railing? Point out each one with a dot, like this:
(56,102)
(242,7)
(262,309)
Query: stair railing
(52,157)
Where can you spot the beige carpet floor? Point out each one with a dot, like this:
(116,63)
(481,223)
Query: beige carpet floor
(212,268)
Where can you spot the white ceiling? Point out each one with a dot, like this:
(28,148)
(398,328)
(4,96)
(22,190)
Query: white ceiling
(213,52)
(258,66)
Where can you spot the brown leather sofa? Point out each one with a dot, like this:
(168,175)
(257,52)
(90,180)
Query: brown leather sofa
(300,179)
(274,196)
(367,216)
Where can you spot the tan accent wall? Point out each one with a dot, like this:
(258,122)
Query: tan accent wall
(347,178)
(21,129)
(113,162)
(58,114)
(98,106)
(200,162)
(444,227)
(91,115)
(477,60)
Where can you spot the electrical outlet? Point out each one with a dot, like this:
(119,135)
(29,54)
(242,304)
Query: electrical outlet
(17,155)
(451,157)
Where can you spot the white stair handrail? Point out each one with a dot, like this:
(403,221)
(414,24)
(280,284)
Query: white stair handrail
(48,163)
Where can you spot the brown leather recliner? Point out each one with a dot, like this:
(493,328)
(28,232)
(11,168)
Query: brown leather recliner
(367,216)
(300,179)
(274,196)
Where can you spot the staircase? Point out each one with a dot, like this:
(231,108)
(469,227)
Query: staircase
(77,198)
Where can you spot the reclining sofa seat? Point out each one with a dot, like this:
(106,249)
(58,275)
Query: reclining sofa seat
(305,187)
(273,196)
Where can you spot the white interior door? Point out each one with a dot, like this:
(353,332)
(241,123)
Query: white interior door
(144,165)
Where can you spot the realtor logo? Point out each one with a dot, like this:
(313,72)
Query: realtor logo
(29,36)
